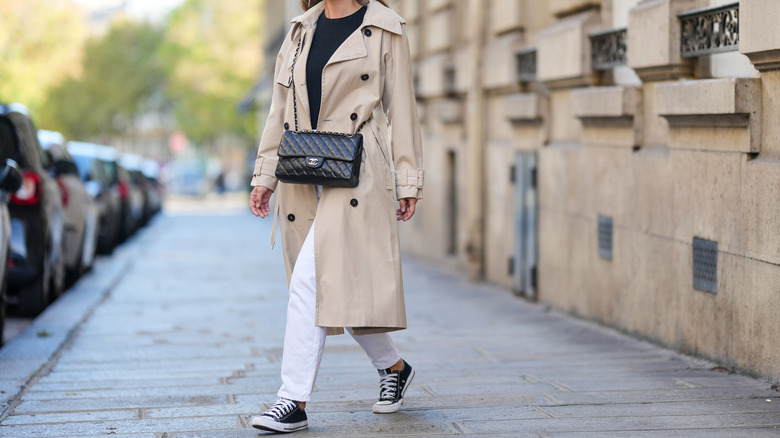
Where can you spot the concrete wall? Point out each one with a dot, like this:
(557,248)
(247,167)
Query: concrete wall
(670,148)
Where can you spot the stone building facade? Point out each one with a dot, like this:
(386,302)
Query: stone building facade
(616,159)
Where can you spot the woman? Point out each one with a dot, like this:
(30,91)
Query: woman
(349,64)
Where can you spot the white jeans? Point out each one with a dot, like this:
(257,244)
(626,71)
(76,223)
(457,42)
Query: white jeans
(304,341)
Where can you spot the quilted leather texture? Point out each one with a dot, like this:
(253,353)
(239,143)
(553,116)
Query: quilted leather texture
(315,144)
(341,153)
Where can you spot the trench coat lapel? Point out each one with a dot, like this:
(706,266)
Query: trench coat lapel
(354,47)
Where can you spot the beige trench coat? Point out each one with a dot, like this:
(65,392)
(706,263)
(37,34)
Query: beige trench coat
(356,244)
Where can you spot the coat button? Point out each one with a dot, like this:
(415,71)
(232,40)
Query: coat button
(353,202)
(367,32)
(353,116)
(364,77)
(291,217)
(286,126)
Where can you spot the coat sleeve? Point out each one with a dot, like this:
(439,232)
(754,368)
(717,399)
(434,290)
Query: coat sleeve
(398,101)
(265,164)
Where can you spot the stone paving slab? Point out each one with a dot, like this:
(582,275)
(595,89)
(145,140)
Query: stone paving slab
(637,423)
(726,432)
(708,407)
(186,342)
(75,429)
(693,395)
(72,417)
(99,404)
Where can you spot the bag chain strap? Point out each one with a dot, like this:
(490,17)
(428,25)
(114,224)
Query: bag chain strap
(295,99)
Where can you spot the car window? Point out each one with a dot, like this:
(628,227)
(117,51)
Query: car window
(85,165)
(109,168)
(45,157)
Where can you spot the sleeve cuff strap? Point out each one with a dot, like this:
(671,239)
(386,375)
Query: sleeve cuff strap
(265,173)
(410,178)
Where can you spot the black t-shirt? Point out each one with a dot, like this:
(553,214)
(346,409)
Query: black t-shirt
(330,34)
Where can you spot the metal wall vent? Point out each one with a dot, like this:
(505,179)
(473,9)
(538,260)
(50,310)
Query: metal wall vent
(705,265)
(605,237)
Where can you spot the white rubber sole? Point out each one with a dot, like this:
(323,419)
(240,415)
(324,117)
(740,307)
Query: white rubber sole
(265,423)
(379,408)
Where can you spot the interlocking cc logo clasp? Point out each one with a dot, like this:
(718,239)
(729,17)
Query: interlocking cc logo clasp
(314,161)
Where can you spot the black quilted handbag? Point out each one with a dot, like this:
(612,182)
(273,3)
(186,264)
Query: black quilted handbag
(323,158)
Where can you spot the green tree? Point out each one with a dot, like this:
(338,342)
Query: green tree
(214,51)
(123,78)
(41,42)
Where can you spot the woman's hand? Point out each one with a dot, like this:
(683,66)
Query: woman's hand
(406,210)
(259,199)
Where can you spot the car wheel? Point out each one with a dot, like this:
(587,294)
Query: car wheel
(73,274)
(34,298)
(105,236)
(58,279)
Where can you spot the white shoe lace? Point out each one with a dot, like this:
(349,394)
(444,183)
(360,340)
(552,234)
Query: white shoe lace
(388,386)
(281,408)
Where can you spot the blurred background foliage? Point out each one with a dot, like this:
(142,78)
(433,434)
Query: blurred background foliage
(213,52)
(41,45)
(123,77)
(192,69)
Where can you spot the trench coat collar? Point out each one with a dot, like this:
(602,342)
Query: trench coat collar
(376,15)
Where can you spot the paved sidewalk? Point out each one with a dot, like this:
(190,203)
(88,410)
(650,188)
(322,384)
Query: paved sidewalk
(179,335)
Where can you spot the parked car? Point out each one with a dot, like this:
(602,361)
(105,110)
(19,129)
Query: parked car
(151,171)
(132,163)
(81,210)
(102,186)
(36,268)
(132,201)
(10,181)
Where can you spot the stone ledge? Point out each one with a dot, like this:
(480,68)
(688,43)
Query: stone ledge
(761,46)
(525,108)
(766,60)
(726,108)
(450,111)
(561,8)
(499,68)
(563,57)
(610,116)
(654,39)
(606,102)
(509,17)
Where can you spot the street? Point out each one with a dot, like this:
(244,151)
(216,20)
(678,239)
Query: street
(179,334)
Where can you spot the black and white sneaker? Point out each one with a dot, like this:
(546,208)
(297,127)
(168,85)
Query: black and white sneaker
(392,387)
(284,416)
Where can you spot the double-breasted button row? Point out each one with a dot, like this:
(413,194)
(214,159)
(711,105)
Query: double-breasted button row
(353,202)
(363,77)
(286,126)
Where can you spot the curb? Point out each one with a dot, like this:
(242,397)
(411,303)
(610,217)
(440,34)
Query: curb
(34,351)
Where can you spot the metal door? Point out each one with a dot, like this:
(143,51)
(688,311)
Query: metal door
(525,224)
